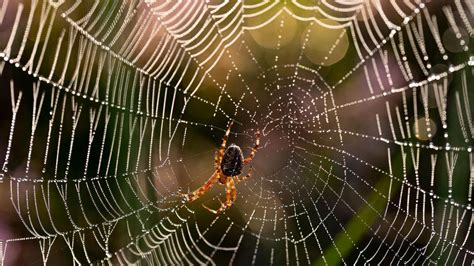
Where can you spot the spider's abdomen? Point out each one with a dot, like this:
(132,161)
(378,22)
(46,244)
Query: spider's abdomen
(232,161)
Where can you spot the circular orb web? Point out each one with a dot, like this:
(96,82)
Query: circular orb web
(278,33)
(324,46)
(424,128)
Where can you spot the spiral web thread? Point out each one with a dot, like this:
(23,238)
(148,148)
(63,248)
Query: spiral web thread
(106,104)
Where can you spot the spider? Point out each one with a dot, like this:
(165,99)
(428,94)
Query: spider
(228,164)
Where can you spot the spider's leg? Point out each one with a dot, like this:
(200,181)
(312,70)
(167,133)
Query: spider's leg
(230,190)
(217,160)
(231,195)
(204,188)
(254,149)
(224,141)
(240,179)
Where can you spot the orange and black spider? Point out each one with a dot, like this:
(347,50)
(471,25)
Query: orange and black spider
(228,164)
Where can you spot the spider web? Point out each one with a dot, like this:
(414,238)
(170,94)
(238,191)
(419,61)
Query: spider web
(109,109)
